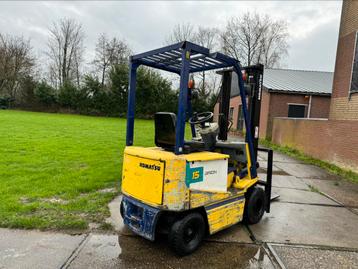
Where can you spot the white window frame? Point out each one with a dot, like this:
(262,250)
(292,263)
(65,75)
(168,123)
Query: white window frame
(297,104)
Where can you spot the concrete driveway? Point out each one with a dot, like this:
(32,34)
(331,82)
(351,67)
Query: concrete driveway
(313,224)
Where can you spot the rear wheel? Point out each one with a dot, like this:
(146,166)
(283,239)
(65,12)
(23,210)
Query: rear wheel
(187,233)
(254,205)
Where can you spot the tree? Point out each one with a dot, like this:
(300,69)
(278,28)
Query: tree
(16,63)
(206,37)
(45,94)
(181,32)
(108,54)
(254,38)
(65,50)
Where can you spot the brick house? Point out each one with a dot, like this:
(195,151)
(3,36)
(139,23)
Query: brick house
(286,93)
(336,139)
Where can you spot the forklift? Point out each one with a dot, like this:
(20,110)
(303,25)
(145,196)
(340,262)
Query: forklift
(189,189)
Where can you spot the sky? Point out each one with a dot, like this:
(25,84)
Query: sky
(145,25)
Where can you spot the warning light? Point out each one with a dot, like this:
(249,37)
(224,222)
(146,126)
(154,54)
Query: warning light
(244,75)
(191,84)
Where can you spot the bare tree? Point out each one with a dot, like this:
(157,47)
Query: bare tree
(109,53)
(181,32)
(16,63)
(208,38)
(253,38)
(65,49)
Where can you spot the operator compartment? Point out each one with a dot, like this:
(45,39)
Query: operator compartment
(143,174)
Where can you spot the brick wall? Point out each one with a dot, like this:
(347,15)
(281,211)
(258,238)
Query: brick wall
(330,140)
(320,106)
(343,107)
(279,107)
(349,18)
(264,114)
(234,102)
(276,105)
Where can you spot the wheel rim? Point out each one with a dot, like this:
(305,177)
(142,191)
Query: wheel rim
(190,233)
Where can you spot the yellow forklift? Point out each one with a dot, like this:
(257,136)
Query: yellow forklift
(191,189)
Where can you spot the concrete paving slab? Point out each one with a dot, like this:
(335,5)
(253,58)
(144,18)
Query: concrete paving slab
(237,233)
(136,252)
(278,157)
(263,166)
(283,158)
(343,191)
(284,181)
(303,170)
(307,258)
(34,249)
(302,196)
(99,251)
(116,219)
(308,224)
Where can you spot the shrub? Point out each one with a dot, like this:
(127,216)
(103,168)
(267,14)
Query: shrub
(45,94)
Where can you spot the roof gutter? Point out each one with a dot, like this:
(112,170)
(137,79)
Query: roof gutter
(297,92)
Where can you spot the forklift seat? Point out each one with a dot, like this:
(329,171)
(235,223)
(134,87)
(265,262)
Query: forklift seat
(165,130)
(165,134)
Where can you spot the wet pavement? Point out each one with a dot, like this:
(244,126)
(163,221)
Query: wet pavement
(313,224)
(33,249)
(135,252)
(302,257)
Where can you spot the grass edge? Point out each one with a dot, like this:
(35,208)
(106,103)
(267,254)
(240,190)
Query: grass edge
(346,174)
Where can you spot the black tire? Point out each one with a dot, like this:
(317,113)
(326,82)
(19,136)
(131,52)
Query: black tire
(254,205)
(121,210)
(186,234)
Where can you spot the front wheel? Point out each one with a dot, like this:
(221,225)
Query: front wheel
(254,205)
(186,234)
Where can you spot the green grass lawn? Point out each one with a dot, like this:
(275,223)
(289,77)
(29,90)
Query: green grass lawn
(60,171)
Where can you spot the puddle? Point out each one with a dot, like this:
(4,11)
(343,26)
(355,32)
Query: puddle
(126,250)
(112,251)
(135,252)
(140,253)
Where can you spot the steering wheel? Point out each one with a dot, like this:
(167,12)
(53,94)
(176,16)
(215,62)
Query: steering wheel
(201,118)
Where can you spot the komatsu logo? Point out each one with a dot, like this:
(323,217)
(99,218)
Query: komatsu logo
(150,166)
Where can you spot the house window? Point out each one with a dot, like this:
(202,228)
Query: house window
(296,111)
(240,119)
(231,113)
(354,81)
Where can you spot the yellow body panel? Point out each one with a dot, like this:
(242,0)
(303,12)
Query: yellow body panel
(244,183)
(176,194)
(171,193)
(143,178)
(226,215)
(154,153)
(205,156)
(164,186)
(201,198)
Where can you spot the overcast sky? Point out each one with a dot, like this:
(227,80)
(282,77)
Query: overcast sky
(313,26)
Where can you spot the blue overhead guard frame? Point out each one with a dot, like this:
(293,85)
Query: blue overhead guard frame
(184,58)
